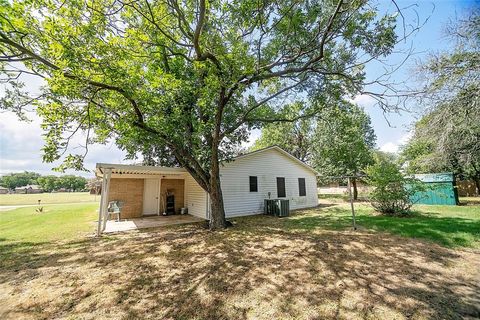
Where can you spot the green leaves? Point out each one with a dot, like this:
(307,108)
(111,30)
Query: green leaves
(343,141)
(153,75)
(447,138)
(393,193)
(339,140)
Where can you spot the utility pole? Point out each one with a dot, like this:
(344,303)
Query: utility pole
(351,203)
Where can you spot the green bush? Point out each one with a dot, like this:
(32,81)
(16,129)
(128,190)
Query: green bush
(392,191)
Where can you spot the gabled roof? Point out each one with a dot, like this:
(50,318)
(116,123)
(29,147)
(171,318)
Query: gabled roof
(152,170)
(281,151)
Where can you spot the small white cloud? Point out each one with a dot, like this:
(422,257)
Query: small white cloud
(394,147)
(364,100)
(389,147)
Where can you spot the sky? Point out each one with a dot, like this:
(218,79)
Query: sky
(21,142)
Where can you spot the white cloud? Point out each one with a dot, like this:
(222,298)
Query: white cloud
(363,100)
(21,143)
(394,147)
(389,147)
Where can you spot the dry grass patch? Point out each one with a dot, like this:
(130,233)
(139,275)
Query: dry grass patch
(259,269)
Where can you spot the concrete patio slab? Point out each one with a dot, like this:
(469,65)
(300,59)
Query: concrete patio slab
(148,222)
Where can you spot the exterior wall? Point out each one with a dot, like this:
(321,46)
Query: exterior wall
(267,166)
(177,186)
(195,198)
(3,191)
(130,191)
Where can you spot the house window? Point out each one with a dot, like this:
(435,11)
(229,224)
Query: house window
(281,187)
(301,187)
(253,184)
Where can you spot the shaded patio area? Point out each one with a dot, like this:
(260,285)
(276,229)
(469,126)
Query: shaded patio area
(148,222)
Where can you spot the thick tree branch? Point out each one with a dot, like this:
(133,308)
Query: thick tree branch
(260,75)
(5,39)
(198,28)
(244,117)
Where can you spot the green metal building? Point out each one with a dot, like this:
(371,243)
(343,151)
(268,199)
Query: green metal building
(442,189)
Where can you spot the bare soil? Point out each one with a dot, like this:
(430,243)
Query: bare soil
(255,270)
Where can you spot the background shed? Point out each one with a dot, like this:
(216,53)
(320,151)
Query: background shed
(442,189)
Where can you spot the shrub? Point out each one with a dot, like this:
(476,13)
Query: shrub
(392,191)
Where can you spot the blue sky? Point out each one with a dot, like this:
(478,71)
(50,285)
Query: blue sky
(430,38)
(20,142)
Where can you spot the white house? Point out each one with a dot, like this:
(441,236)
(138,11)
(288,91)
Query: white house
(246,182)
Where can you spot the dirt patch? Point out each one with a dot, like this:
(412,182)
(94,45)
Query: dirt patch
(255,270)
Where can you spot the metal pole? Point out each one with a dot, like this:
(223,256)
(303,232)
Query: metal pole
(351,203)
(100,213)
(105,203)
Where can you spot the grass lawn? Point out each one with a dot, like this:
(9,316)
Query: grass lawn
(308,266)
(56,222)
(47,198)
(451,226)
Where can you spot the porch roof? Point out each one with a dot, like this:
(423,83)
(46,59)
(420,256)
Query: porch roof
(135,169)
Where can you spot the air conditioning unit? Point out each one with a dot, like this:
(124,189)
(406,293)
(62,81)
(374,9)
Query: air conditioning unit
(276,207)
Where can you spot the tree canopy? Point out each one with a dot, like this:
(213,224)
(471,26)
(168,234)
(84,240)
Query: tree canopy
(48,183)
(339,141)
(67,182)
(447,138)
(188,77)
(343,142)
(15,180)
(294,137)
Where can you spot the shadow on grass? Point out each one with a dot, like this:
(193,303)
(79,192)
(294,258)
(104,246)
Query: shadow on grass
(447,231)
(432,226)
(262,268)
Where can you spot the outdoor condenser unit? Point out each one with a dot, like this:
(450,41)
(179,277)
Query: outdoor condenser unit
(276,207)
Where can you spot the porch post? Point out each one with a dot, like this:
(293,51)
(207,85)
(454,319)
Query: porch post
(102,197)
(208,207)
(159,197)
(105,200)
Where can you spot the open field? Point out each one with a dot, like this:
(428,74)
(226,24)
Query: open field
(308,266)
(47,198)
(56,222)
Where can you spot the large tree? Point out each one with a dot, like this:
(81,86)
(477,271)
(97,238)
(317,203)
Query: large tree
(447,138)
(338,141)
(190,76)
(294,137)
(343,143)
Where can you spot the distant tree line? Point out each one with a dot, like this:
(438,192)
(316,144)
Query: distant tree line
(48,183)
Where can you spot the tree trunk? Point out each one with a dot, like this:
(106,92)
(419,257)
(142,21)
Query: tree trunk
(355,191)
(477,184)
(217,210)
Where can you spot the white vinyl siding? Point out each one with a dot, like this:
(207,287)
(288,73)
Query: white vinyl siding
(267,166)
(195,198)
